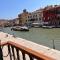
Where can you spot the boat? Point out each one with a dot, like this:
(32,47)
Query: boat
(47,27)
(21,28)
(36,25)
(24,28)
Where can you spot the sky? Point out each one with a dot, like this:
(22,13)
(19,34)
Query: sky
(9,9)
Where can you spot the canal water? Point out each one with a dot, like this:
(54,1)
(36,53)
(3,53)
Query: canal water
(39,35)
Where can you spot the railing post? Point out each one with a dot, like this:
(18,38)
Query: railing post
(17,51)
(9,50)
(1,53)
(31,57)
(13,52)
(23,54)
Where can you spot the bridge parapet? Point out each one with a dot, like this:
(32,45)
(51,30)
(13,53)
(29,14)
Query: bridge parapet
(14,48)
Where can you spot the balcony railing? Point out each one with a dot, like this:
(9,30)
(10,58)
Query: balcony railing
(17,52)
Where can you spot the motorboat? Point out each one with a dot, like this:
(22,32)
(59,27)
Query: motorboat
(24,28)
(48,27)
(36,25)
(21,28)
(16,28)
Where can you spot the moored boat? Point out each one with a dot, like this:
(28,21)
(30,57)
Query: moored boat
(24,28)
(21,28)
(47,27)
(36,25)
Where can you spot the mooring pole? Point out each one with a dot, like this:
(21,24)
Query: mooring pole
(53,44)
(1,53)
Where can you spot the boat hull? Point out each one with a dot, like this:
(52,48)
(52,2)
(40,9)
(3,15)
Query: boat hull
(19,29)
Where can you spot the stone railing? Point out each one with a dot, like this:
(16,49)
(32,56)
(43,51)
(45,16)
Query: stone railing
(13,51)
(14,48)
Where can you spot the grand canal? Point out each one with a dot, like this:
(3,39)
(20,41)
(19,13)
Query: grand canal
(39,35)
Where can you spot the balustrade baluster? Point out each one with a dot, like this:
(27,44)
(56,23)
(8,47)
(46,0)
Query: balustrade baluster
(23,55)
(15,48)
(31,57)
(17,51)
(9,50)
(1,53)
(13,52)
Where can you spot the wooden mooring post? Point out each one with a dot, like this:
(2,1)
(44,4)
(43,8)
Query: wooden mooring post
(53,44)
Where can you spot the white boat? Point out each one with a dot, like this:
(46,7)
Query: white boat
(24,28)
(21,28)
(36,24)
(48,27)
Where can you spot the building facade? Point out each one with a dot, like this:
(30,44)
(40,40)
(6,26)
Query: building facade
(23,17)
(35,17)
(51,15)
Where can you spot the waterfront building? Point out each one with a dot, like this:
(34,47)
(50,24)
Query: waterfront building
(12,22)
(51,15)
(3,22)
(16,21)
(30,17)
(8,23)
(23,17)
(35,17)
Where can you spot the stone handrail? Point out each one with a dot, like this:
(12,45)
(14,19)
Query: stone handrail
(31,53)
